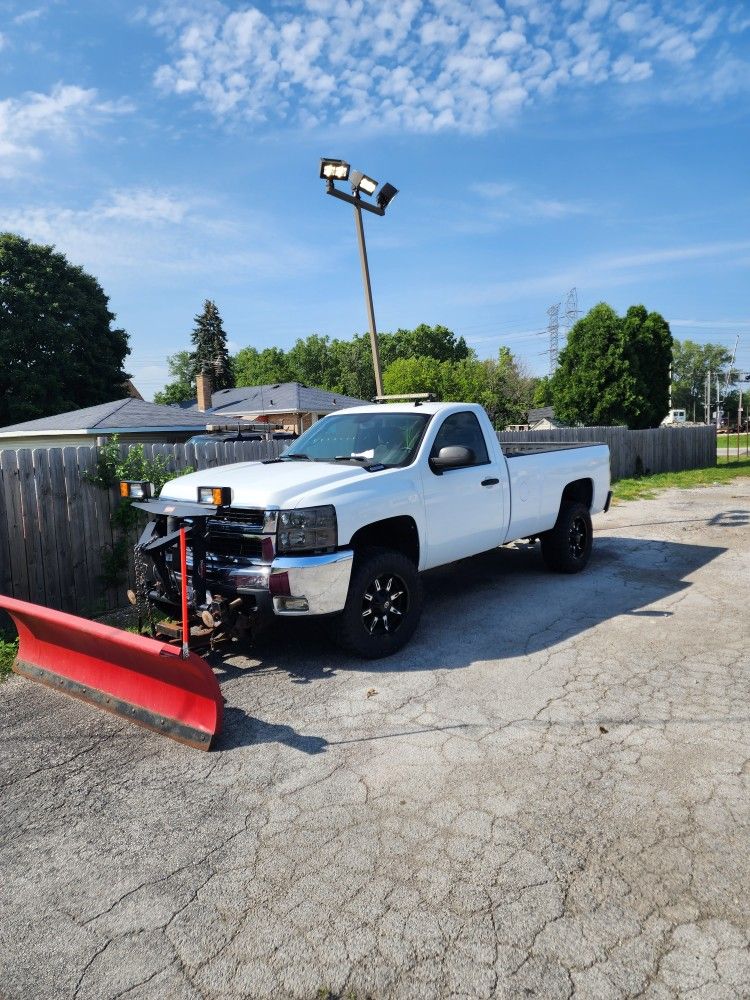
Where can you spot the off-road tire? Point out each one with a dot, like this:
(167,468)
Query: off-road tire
(567,547)
(382,607)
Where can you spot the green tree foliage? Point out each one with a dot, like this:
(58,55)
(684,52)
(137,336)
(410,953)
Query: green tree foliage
(253,367)
(423,342)
(647,346)
(542,392)
(58,346)
(614,370)
(691,364)
(182,387)
(210,352)
(500,385)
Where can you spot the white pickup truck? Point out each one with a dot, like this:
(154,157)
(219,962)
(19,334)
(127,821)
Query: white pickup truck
(345,520)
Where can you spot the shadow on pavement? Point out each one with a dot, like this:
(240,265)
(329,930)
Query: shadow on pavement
(498,605)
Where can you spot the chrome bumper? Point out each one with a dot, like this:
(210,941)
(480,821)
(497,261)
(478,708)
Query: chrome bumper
(299,585)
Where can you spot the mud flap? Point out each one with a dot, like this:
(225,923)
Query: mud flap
(140,679)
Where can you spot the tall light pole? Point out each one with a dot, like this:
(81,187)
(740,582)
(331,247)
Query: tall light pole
(338,170)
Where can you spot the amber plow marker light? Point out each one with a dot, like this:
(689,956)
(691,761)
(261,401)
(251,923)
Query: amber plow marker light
(220,496)
(136,490)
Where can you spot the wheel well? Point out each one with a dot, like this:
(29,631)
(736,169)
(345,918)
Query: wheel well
(399,533)
(580,491)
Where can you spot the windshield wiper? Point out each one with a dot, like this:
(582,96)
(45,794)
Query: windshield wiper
(299,456)
(351,458)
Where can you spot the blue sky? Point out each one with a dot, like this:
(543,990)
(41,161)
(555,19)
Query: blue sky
(172,150)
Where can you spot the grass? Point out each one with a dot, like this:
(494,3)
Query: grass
(8,652)
(721,441)
(646,487)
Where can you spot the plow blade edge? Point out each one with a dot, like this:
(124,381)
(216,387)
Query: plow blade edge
(140,679)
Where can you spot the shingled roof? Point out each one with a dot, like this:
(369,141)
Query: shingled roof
(282,397)
(121,416)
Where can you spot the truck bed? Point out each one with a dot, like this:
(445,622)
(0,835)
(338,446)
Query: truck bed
(520,448)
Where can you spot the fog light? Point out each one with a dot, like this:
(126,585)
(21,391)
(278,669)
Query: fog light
(291,604)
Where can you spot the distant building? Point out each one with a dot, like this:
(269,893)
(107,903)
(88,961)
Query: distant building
(543,419)
(293,405)
(133,420)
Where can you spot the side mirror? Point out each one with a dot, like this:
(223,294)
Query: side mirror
(454,456)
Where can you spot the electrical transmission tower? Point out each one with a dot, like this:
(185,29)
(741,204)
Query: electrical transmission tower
(553,332)
(572,312)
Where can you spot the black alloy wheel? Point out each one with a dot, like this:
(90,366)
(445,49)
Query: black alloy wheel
(578,537)
(567,547)
(383,604)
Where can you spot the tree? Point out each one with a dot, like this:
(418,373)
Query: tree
(182,388)
(58,346)
(266,367)
(691,364)
(423,342)
(210,353)
(614,370)
(647,345)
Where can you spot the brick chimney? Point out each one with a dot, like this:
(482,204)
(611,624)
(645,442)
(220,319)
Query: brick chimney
(203,390)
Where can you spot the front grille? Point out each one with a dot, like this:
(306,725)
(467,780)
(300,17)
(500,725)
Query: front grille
(233,540)
(250,518)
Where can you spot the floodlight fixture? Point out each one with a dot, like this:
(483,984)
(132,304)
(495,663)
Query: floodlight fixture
(386,195)
(338,170)
(333,170)
(361,182)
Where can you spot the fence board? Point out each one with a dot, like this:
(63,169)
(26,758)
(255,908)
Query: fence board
(14,515)
(78,545)
(35,515)
(6,579)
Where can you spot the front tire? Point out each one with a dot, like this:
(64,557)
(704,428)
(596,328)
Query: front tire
(383,604)
(567,547)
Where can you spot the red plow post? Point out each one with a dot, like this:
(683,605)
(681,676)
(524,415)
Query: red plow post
(143,680)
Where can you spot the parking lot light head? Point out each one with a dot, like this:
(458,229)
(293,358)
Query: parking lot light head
(386,195)
(333,170)
(361,182)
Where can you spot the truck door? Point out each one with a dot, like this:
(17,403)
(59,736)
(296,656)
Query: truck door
(463,507)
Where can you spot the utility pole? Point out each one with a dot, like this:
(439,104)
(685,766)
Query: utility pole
(368,297)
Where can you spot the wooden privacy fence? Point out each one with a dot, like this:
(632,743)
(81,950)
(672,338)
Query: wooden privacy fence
(636,453)
(56,536)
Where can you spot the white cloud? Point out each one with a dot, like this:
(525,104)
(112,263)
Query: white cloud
(157,234)
(63,113)
(424,65)
(28,15)
(508,201)
(603,271)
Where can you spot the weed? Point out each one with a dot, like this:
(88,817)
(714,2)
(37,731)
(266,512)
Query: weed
(8,652)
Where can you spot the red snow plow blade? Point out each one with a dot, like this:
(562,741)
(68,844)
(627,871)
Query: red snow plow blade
(138,678)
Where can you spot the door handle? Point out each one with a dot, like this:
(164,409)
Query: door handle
(490,482)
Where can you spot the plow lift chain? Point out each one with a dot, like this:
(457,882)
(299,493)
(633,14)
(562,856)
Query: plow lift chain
(142,590)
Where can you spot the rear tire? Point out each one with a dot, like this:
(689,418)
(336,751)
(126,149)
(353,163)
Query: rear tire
(382,607)
(567,547)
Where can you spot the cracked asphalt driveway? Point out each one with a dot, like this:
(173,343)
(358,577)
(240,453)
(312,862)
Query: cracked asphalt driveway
(545,795)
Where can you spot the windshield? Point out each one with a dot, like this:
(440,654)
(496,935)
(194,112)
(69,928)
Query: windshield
(387,439)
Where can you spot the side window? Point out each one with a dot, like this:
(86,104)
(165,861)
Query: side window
(462,429)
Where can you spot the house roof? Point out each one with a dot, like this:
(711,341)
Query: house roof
(118,416)
(541,413)
(283,397)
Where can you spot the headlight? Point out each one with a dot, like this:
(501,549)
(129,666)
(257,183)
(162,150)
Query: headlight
(307,529)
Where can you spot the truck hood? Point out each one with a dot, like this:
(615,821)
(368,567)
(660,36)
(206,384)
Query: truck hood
(253,484)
